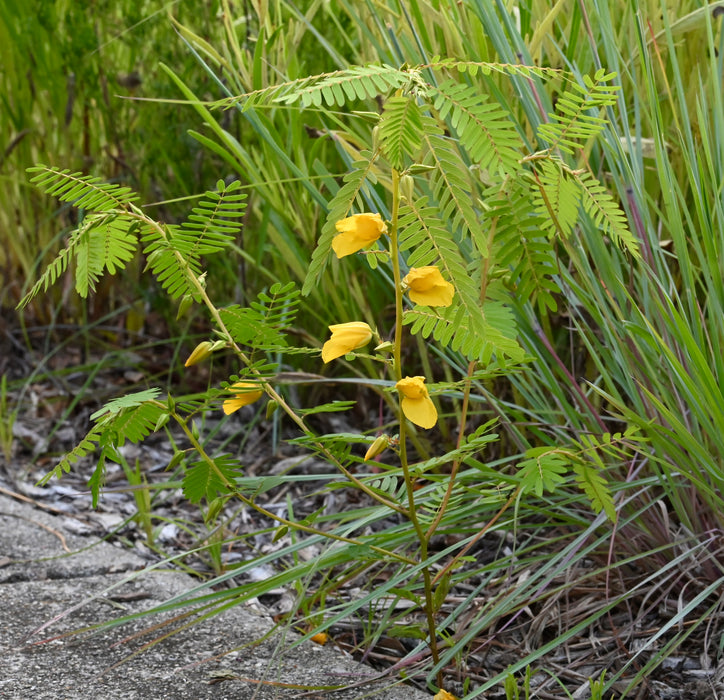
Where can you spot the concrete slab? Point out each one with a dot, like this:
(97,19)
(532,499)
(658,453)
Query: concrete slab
(46,571)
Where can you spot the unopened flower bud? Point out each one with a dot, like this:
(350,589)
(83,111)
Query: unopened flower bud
(377,447)
(271,408)
(407,187)
(375,138)
(184,305)
(199,353)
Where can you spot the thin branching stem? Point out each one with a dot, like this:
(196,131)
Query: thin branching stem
(269,514)
(485,266)
(409,480)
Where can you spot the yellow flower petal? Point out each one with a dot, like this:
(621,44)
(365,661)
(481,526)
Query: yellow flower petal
(416,402)
(444,695)
(248,393)
(320,638)
(357,232)
(427,287)
(346,337)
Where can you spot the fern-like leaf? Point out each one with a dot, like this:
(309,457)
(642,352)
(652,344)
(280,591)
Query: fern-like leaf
(82,191)
(176,273)
(576,119)
(339,208)
(357,82)
(134,424)
(521,244)
(262,324)
(598,203)
(544,469)
(474,442)
(388,486)
(590,481)
(485,130)
(400,130)
(452,185)
(486,68)
(54,270)
(88,445)
(174,252)
(557,196)
(208,479)
(363,82)
(490,331)
(130,417)
(591,466)
(214,222)
(421,231)
(115,406)
(104,243)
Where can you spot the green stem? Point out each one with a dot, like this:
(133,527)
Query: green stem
(485,268)
(397,370)
(454,561)
(456,463)
(269,514)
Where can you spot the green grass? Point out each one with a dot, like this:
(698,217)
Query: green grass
(67,85)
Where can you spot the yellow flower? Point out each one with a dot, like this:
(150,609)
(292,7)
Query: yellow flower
(345,338)
(416,403)
(427,287)
(444,695)
(247,393)
(357,232)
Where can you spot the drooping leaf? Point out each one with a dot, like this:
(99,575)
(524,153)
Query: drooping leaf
(82,191)
(209,478)
(577,117)
(485,130)
(592,483)
(490,331)
(544,469)
(400,130)
(599,204)
(451,184)
(104,243)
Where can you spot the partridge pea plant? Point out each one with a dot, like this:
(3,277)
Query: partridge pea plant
(463,207)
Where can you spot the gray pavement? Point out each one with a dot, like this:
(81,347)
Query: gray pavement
(53,582)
